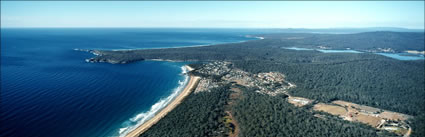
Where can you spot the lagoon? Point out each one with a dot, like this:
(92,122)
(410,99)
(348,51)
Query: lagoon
(398,56)
(338,51)
(403,56)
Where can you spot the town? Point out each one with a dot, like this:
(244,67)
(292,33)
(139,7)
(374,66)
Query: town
(271,83)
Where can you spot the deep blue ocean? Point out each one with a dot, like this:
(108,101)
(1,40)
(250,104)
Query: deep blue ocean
(48,90)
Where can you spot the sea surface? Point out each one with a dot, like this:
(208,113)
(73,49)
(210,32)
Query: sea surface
(48,90)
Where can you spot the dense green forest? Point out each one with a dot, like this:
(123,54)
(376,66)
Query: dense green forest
(197,116)
(272,116)
(365,78)
(386,84)
(399,41)
(258,115)
(418,125)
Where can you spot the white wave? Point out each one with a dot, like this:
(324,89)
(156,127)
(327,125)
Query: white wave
(200,45)
(139,119)
(249,36)
(184,70)
(259,37)
(123,129)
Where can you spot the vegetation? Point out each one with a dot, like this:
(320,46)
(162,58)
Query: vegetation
(199,115)
(418,126)
(399,41)
(262,115)
(366,79)
(202,114)
(387,84)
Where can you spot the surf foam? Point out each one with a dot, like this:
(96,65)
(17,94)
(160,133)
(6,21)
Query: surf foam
(141,118)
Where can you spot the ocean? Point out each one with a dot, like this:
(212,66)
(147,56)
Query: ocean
(48,90)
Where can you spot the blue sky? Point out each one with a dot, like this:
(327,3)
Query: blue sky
(214,14)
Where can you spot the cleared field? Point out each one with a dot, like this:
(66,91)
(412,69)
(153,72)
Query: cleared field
(299,101)
(394,116)
(361,107)
(342,103)
(370,120)
(374,117)
(241,82)
(389,115)
(332,109)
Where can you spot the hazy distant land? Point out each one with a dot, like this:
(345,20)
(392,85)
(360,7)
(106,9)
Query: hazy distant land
(371,42)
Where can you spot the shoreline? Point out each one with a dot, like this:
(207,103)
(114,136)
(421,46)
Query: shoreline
(190,46)
(98,52)
(193,80)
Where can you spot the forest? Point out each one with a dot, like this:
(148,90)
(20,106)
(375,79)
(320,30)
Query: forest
(261,115)
(264,49)
(396,86)
(197,116)
(398,41)
(365,78)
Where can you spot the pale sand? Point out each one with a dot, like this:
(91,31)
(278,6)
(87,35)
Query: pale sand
(186,91)
(189,68)
(415,52)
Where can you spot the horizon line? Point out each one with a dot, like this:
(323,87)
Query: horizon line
(224,27)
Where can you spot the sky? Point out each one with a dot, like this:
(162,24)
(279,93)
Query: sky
(213,14)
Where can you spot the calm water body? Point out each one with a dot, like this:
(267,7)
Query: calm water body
(295,48)
(48,90)
(403,56)
(338,51)
(398,56)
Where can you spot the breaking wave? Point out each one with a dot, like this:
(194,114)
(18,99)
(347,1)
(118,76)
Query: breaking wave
(140,118)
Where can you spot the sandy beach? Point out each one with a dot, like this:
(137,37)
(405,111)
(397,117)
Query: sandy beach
(186,91)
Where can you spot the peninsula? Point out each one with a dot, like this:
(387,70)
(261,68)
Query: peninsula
(261,83)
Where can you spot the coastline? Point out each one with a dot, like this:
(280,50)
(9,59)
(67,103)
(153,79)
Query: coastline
(99,52)
(193,80)
(192,46)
